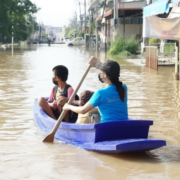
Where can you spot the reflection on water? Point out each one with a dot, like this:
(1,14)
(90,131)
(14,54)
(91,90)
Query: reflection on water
(28,75)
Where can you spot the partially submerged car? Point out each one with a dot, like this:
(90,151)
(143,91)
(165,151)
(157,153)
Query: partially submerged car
(76,42)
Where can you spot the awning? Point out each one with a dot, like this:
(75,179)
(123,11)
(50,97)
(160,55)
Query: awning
(108,13)
(158,7)
(161,28)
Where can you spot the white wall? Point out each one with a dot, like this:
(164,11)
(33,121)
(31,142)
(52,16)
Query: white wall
(133,4)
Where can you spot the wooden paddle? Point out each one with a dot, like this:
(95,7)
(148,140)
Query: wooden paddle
(50,137)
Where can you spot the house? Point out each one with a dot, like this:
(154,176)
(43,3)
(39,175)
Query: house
(129,22)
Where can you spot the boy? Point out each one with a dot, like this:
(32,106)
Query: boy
(59,95)
(83,99)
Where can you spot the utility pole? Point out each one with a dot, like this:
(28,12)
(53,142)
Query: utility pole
(96,24)
(121,5)
(76,21)
(115,18)
(12,43)
(32,30)
(91,30)
(80,16)
(84,16)
(123,20)
(123,23)
(39,33)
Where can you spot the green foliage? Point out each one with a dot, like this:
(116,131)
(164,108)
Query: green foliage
(45,35)
(124,46)
(4,20)
(171,41)
(71,33)
(21,27)
(81,35)
(154,40)
(169,48)
(67,31)
(16,13)
(101,4)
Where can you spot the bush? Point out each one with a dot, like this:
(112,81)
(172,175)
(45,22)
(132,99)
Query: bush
(154,40)
(168,48)
(81,34)
(124,46)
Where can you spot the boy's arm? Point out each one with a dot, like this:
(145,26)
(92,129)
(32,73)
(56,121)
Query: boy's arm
(53,105)
(66,118)
(51,102)
(51,97)
(70,92)
(62,100)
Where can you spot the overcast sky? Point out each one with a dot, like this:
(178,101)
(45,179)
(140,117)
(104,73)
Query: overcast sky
(55,12)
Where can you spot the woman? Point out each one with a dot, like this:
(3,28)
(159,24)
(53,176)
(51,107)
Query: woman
(111,100)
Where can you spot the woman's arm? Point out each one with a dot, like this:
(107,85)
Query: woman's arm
(80,110)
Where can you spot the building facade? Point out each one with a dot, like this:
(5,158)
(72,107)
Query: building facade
(129,22)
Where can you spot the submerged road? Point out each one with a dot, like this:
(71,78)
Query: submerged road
(28,74)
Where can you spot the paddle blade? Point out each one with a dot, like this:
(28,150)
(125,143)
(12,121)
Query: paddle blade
(49,138)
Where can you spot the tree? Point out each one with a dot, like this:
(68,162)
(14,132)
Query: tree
(67,29)
(14,13)
(71,33)
(4,19)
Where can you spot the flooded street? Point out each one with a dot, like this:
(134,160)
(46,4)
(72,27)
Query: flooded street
(152,95)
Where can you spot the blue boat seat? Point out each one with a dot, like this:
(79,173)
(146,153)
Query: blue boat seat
(128,129)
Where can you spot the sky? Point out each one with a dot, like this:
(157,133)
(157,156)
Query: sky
(55,12)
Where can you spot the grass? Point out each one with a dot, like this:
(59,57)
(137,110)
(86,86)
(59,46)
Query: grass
(124,47)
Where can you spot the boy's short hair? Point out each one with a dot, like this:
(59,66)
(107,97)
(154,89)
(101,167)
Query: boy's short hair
(61,72)
(85,96)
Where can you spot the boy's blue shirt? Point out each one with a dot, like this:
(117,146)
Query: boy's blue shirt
(110,106)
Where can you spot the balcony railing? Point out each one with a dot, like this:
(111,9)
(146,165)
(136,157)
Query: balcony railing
(131,20)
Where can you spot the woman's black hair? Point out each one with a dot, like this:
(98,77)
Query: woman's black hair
(119,87)
(61,72)
(112,70)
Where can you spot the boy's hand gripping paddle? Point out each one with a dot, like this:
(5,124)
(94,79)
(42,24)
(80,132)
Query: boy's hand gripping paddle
(50,137)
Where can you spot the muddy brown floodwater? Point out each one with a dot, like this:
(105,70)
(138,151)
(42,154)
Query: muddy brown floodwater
(152,95)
